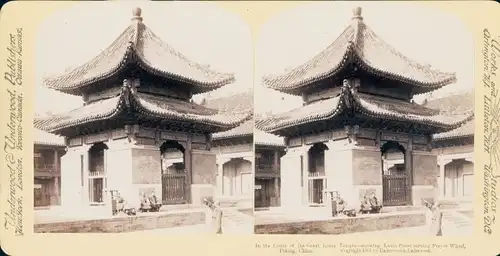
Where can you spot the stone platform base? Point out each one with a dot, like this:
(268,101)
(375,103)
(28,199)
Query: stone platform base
(406,208)
(344,225)
(140,222)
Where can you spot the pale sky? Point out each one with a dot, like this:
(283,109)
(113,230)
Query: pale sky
(203,32)
(424,34)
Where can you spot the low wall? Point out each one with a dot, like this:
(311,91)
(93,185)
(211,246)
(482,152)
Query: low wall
(345,225)
(124,224)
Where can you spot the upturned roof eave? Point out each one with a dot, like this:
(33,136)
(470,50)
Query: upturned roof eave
(361,109)
(133,103)
(131,58)
(127,46)
(354,53)
(219,126)
(299,87)
(452,137)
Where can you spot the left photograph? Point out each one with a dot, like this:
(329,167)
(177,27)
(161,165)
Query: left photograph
(141,120)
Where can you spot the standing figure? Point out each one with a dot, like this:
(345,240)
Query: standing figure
(435,217)
(214,216)
(217,217)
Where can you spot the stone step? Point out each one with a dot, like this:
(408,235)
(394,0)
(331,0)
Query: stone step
(237,220)
(456,223)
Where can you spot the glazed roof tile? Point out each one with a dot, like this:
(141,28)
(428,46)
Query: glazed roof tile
(96,111)
(262,138)
(245,129)
(146,105)
(319,110)
(380,108)
(457,103)
(367,105)
(238,102)
(235,103)
(358,43)
(139,46)
(465,130)
(48,139)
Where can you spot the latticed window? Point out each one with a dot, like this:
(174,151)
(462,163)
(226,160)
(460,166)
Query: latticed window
(265,161)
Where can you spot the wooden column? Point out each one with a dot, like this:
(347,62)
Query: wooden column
(55,190)
(189,168)
(276,168)
(441,185)
(409,169)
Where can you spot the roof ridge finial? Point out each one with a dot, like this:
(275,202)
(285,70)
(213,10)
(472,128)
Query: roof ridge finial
(356,13)
(136,12)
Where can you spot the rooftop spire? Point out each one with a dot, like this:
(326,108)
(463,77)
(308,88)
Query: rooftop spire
(136,12)
(356,13)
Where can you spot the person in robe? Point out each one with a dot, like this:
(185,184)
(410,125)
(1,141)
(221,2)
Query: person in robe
(435,218)
(365,205)
(340,204)
(375,205)
(153,200)
(120,203)
(217,217)
(214,215)
(145,204)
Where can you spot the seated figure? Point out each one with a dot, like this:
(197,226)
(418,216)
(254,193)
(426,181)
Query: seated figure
(120,203)
(343,209)
(365,206)
(375,204)
(153,200)
(340,204)
(145,204)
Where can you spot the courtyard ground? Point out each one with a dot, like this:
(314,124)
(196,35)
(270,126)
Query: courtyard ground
(456,222)
(235,221)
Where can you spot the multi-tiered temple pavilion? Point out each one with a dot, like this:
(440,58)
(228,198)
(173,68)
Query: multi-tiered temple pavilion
(138,107)
(359,130)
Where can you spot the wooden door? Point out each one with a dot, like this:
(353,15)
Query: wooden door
(41,193)
(395,190)
(174,189)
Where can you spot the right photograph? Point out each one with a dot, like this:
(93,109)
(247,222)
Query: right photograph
(364,121)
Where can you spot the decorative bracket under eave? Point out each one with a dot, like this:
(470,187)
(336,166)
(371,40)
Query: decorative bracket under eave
(352,132)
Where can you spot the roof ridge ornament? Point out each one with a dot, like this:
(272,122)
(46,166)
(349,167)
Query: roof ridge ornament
(136,12)
(356,21)
(356,13)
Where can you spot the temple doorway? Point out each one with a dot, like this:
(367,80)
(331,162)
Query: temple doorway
(174,180)
(237,178)
(97,173)
(458,179)
(316,176)
(395,185)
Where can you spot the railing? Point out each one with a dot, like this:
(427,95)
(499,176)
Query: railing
(316,174)
(46,167)
(263,166)
(96,173)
